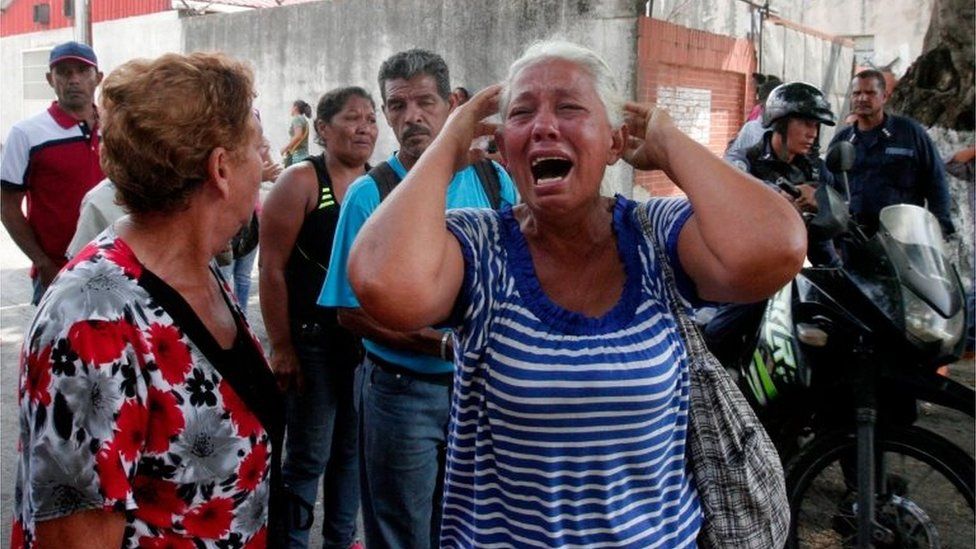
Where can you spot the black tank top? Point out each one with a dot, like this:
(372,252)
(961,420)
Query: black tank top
(309,261)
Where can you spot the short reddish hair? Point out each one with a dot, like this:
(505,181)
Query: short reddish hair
(161,119)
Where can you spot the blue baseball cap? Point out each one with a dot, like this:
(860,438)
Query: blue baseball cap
(73,50)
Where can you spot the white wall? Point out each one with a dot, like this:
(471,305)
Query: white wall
(13,107)
(898,25)
(114,42)
(305,50)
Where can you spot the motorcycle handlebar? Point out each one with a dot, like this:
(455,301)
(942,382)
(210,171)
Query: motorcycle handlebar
(787,187)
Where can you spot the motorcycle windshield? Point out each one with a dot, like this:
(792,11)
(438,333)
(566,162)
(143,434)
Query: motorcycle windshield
(914,239)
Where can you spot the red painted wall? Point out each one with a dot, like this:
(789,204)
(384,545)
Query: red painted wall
(18,17)
(671,55)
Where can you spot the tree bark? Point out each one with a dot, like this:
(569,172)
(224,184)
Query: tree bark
(938,89)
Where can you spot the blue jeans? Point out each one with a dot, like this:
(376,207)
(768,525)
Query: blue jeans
(238,274)
(321,435)
(403,441)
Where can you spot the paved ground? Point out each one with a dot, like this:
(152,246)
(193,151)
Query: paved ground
(15,314)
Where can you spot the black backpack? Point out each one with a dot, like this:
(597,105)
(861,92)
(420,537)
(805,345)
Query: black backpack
(386,179)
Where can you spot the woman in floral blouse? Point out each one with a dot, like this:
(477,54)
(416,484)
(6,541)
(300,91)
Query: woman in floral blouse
(148,413)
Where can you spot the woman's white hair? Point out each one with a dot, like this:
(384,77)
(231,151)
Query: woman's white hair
(585,58)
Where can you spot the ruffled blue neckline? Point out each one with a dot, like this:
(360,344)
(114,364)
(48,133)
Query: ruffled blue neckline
(534,297)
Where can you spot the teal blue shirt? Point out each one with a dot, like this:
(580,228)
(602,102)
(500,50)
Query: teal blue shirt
(362,198)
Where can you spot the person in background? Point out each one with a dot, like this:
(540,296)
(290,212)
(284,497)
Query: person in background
(313,357)
(570,407)
(461,95)
(297,148)
(792,118)
(148,413)
(403,386)
(962,165)
(99,209)
(244,245)
(51,160)
(752,131)
(895,161)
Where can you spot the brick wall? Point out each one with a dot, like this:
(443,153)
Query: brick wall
(703,79)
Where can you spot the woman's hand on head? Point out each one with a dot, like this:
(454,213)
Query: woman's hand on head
(467,123)
(648,127)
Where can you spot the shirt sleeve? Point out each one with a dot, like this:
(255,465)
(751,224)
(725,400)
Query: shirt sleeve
(475,235)
(827,178)
(83,400)
(361,200)
(91,222)
(961,170)
(748,136)
(932,177)
(16,154)
(668,217)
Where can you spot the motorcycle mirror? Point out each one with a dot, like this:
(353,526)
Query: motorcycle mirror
(832,217)
(840,157)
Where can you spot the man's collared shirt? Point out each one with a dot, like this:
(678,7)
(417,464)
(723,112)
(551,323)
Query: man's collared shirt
(895,163)
(54,158)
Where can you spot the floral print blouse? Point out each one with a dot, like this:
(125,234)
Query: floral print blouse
(124,407)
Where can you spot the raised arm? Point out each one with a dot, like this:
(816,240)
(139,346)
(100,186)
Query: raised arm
(411,281)
(744,241)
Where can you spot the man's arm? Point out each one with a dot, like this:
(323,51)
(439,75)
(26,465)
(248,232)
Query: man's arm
(14,220)
(933,181)
(425,340)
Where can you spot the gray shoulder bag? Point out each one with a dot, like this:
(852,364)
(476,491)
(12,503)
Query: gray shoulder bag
(736,468)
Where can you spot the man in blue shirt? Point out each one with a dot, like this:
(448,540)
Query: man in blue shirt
(896,161)
(404,383)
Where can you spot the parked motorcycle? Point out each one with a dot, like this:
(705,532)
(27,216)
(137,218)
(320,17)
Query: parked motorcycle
(837,368)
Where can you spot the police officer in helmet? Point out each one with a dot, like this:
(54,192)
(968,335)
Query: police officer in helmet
(787,152)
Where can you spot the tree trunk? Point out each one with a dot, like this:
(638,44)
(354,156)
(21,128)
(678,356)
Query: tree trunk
(938,90)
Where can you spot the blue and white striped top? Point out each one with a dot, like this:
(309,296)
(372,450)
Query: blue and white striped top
(566,430)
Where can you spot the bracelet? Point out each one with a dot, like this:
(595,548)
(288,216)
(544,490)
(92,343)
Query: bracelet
(445,340)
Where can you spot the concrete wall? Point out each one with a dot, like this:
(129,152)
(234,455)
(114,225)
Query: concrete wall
(305,50)
(728,17)
(13,106)
(898,26)
(794,55)
(114,42)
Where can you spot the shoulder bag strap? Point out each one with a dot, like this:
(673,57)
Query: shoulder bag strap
(689,331)
(386,179)
(489,182)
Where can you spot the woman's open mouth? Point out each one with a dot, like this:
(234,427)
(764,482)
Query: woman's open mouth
(550,169)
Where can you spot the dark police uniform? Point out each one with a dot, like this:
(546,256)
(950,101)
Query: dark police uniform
(896,163)
(763,163)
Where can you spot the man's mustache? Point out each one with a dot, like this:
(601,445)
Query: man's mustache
(413,130)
